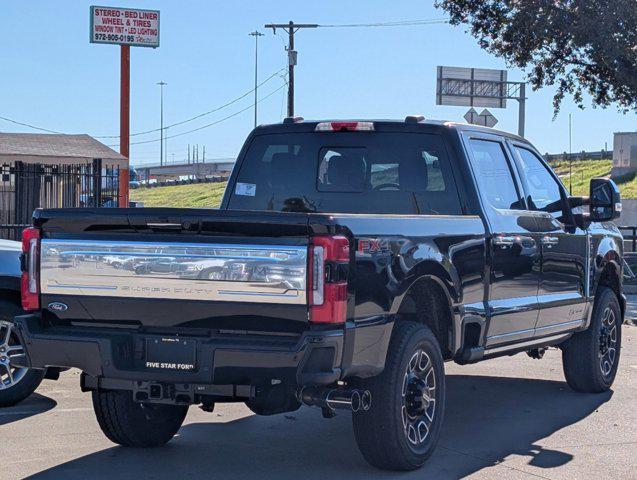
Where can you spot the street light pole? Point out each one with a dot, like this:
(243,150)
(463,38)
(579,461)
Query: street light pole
(256,36)
(161,120)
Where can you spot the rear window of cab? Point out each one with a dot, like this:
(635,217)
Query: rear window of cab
(346,172)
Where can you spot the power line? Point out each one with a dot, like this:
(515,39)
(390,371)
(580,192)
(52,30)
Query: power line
(403,23)
(30,126)
(221,107)
(292,28)
(209,124)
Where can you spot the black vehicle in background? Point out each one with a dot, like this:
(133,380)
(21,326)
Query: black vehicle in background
(348,262)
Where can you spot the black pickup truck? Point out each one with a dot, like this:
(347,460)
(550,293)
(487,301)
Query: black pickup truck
(348,261)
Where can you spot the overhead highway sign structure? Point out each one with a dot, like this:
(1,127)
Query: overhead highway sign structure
(479,87)
(471,87)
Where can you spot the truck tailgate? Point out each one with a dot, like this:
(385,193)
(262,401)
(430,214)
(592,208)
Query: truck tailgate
(162,268)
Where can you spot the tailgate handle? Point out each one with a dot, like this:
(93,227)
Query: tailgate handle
(164,226)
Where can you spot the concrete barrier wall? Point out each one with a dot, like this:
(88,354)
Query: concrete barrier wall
(629,212)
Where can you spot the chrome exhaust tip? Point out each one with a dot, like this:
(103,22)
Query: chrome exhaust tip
(334,398)
(355,401)
(366,400)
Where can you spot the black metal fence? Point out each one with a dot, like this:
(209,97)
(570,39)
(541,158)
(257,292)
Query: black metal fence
(630,239)
(27,186)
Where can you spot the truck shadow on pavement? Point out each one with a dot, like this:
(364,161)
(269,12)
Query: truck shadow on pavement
(487,419)
(34,405)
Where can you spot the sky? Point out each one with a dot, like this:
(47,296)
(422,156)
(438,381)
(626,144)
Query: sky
(52,77)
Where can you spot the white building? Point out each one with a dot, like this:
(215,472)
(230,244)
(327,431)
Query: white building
(624,153)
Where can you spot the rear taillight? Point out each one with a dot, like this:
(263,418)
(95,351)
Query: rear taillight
(344,126)
(30,284)
(329,264)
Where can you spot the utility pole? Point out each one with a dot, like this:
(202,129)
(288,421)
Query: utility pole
(161,121)
(570,155)
(290,28)
(256,34)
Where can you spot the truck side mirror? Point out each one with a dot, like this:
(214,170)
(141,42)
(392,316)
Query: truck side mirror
(605,200)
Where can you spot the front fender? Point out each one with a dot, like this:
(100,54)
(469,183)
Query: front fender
(607,254)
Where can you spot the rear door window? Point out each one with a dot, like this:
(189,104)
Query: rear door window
(494,175)
(347,172)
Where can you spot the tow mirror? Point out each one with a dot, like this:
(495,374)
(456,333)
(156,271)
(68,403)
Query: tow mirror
(605,200)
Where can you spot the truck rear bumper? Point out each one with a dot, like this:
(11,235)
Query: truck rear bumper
(313,358)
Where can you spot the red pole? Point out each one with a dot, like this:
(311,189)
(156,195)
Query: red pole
(124,123)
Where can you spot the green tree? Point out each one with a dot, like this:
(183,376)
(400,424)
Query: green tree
(581,46)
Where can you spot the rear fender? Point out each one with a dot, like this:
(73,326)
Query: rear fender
(449,283)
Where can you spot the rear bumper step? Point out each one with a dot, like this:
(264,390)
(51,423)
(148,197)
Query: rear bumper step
(313,358)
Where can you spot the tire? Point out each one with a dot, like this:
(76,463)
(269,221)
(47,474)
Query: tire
(23,381)
(391,435)
(132,424)
(590,358)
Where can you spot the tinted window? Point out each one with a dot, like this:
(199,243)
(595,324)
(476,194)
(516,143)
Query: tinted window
(494,176)
(384,175)
(347,172)
(543,189)
(342,169)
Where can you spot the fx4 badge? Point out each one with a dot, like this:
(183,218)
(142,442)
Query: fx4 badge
(372,246)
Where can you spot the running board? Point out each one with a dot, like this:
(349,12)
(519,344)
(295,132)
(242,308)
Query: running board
(476,354)
(522,346)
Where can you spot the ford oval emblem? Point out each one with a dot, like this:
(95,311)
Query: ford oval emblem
(58,307)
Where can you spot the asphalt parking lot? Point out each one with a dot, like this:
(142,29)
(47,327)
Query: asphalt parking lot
(511,418)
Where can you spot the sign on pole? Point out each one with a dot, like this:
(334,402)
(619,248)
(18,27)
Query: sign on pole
(125,26)
(484,118)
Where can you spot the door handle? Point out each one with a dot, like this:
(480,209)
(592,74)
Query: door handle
(550,241)
(504,240)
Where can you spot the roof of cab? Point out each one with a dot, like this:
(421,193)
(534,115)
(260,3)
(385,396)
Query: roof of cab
(411,123)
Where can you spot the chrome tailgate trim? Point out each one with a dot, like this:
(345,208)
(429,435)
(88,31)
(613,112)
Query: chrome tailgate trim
(183,271)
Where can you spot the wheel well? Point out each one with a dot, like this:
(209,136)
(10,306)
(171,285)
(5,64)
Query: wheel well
(10,296)
(417,306)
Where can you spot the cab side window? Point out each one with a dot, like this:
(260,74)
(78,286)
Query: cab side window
(544,191)
(494,175)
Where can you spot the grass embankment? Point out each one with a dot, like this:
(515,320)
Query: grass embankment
(583,171)
(198,195)
(208,195)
